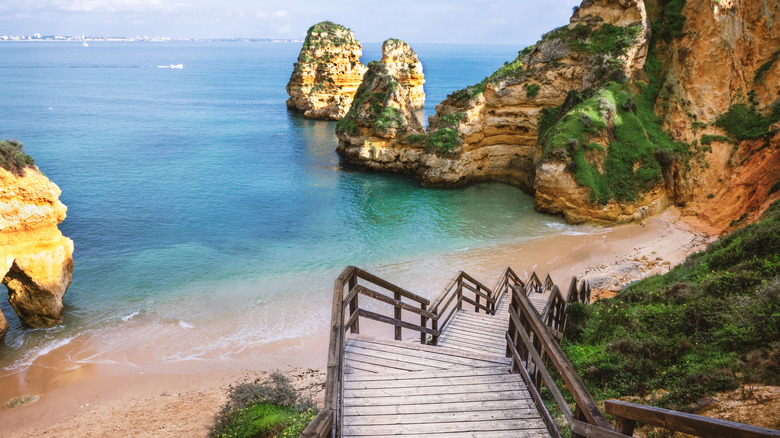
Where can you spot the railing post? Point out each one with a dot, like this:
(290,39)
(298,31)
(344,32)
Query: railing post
(459,294)
(397,315)
(423,322)
(625,426)
(476,308)
(435,327)
(353,305)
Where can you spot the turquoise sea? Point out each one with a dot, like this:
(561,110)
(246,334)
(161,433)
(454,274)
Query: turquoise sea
(209,222)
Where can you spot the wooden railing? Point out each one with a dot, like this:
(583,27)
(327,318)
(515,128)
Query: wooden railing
(452,298)
(346,313)
(532,345)
(506,283)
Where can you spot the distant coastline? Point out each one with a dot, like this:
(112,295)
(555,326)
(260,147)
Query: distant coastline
(160,39)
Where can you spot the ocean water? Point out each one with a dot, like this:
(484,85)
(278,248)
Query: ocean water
(210,222)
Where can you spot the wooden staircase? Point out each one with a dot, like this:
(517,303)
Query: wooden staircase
(474,372)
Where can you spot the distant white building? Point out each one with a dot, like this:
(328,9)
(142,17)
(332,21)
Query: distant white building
(37,36)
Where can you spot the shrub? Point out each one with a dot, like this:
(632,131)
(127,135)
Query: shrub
(263,409)
(444,140)
(13,159)
(531,90)
(744,122)
(710,324)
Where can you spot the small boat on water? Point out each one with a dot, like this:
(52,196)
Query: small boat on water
(178,66)
(85,44)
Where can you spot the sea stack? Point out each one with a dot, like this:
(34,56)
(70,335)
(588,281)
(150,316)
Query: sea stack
(327,74)
(380,131)
(402,63)
(36,260)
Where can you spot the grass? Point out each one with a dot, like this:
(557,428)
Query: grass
(707,139)
(762,70)
(271,408)
(13,159)
(634,159)
(531,90)
(607,39)
(381,114)
(710,324)
(743,121)
(315,36)
(443,141)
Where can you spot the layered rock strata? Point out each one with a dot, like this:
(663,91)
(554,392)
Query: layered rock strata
(327,74)
(380,130)
(603,123)
(36,260)
(403,64)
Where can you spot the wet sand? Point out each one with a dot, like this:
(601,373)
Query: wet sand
(118,400)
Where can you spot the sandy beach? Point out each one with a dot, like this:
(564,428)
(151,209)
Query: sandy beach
(119,401)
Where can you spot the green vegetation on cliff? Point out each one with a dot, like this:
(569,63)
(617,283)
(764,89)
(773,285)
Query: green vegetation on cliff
(371,104)
(744,121)
(13,159)
(620,113)
(710,324)
(263,409)
(327,34)
(633,161)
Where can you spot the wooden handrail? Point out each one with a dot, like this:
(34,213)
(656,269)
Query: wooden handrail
(451,299)
(529,319)
(681,422)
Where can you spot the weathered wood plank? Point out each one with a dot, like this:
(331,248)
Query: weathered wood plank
(477,348)
(469,339)
(442,428)
(472,331)
(428,374)
(439,360)
(432,408)
(437,350)
(689,423)
(440,398)
(394,355)
(354,358)
(442,417)
(530,433)
(442,381)
(434,390)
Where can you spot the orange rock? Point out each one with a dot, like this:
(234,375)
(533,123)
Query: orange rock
(36,260)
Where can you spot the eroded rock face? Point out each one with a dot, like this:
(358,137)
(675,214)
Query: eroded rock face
(36,260)
(380,131)
(403,64)
(327,74)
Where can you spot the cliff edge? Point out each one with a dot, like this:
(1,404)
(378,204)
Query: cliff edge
(36,260)
(631,107)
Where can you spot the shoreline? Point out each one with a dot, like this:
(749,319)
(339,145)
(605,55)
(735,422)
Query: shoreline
(114,400)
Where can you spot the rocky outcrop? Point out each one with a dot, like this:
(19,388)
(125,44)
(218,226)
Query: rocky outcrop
(327,74)
(380,131)
(603,122)
(36,260)
(403,64)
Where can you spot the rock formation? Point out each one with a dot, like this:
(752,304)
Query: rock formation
(380,130)
(611,118)
(35,258)
(403,64)
(327,74)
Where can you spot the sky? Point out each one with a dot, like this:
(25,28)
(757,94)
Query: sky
(422,21)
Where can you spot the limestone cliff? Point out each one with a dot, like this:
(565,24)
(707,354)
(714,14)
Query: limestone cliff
(629,108)
(327,74)
(380,130)
(35,258)
(720,93)
(403,64)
